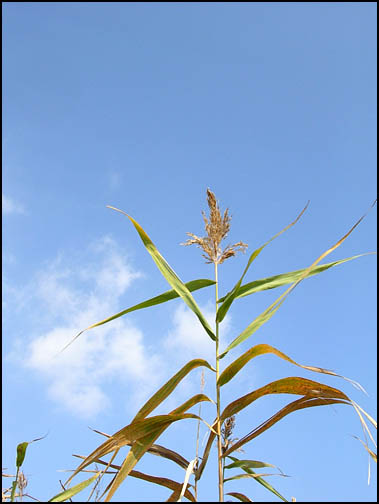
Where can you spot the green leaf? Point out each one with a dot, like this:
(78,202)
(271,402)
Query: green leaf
(269,312)
(169,274)
(168,387)
(252,475)
(21,451)
(263,482)
(229,298)
(161,298)
(249,464)
(286,278)
(67,494)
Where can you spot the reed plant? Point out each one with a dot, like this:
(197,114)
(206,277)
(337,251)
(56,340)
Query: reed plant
(142,432)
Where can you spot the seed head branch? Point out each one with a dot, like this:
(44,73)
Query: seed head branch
(217,228)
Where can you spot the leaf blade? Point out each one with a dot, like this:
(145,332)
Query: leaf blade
(282,279)
(229,298)
(70,492)
(271,310)
(169,274)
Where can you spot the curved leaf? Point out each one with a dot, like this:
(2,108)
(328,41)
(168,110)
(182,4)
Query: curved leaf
(240,496)
(249,464)
(139,449)
(205,456)
(286,278)
(169,386)
(291,385)
(153,428)
(304,402)
(168,483)
(263,482)
(169,274)
(269,312)
(132,432)
(229,298)
(261,349)
(252,475)
(161,298)
(67,494)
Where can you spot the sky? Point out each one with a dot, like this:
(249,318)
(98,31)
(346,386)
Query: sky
(143,106)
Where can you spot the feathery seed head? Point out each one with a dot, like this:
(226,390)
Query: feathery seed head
(217,228)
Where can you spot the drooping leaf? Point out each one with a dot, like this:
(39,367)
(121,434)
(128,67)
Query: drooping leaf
(132,432)
(139,449)
(204,458)
(286,278)
(240,496)
(169,274)
(271,310)
(261,349)
(70,492)
(153,428)
(303,402)
(169,386)
(168,483)
(263,482)
(252,475)
(161,298)
(291,385)
(229,298)
(255,464)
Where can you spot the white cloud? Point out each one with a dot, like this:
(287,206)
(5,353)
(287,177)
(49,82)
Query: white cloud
(77,378)
(188,338)
(73,292)
(9,206)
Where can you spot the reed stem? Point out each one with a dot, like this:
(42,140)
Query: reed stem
(218,426)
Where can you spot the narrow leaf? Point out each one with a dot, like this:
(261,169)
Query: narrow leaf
(252,475)
(168,483)
(130,433)
(304,402)
(161,298)
(169,386)
(240,496)
(255,464)
(286,278)
(229,298)
(261,349)
(169,274)
(291,385)
(189,471)
(269,312)
(138,449)
(263,482)
(67,494)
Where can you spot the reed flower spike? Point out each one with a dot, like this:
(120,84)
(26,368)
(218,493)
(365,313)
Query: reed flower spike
(217,228)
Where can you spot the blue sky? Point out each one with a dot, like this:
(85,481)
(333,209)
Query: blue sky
(143,106)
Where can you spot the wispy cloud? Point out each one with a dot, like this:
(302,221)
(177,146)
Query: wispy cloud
(75,291)
(10,206)
(77,378)
(188,339)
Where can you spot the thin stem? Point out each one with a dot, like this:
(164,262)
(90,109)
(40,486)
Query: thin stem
(198,431)
(218,427)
